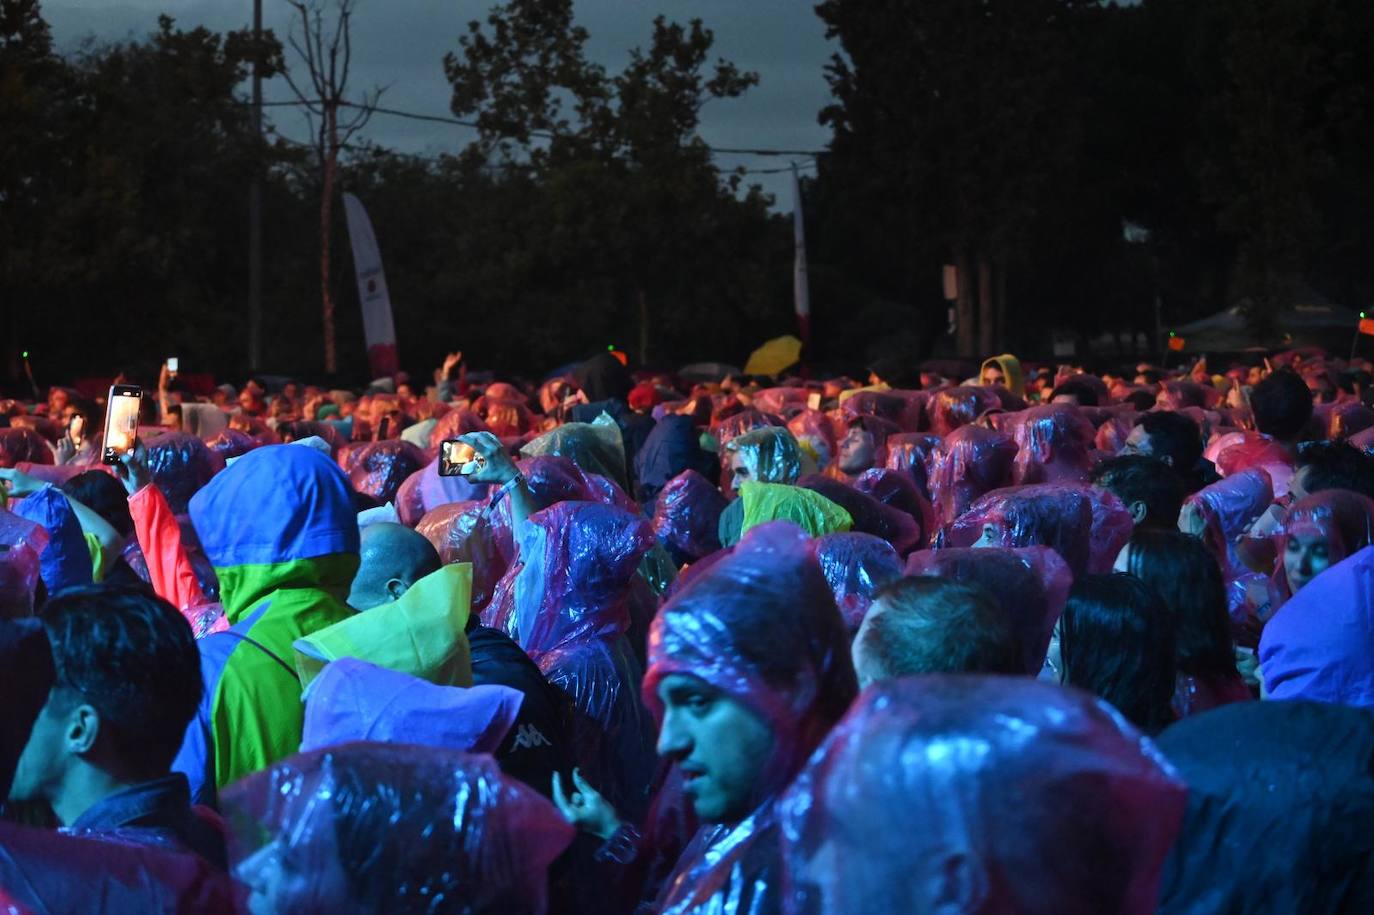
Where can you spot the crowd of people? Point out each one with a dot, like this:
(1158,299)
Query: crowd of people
(1025,639)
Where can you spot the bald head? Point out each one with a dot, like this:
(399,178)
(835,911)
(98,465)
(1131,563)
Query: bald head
(393,557)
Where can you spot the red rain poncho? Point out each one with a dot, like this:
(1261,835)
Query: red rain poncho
(687,517)
(910,453)
(1275,457)
(571,613)
(461,533)
(856,566)
(897,490)
(18,445)
(392,828)
(950,408)
(969,463)
(425,490)
(869,516)
(22,542)
(230,443)
(1030,584)
(505,410)
(1024,796)
(453,424)
(181,464)
(1344,519)
(760,626)
(1086,526)
(1053,444)
(1228,508)
(379,468)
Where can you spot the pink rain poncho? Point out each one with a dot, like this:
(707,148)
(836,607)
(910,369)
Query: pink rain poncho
(1348,419)
(453,424)
(1228,508)
(969,463)
(379,468)
(759,625)
(869,516)
(1345,520)
(461,532)
(43,871)
(22,542)
(1023,797)
(571,593)
(181,464)
(897,490)
(392,828)
(425,490)
(781,401)
(856,566)
(771,454)
(352,700)
(687,517)
(1317,647)
(505,410)
(1030,584)
(1053,444)
(1274,457)
(231,443)
(817,435)
(910,453)
(1086,526)
(18,445)
(950,408)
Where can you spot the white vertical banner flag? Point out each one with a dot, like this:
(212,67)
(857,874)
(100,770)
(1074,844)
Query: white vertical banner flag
(378,328)
(801,295)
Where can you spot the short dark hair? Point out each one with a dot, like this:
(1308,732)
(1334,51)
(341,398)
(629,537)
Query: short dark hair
(1175,436)
(1142,478)
(132,657)
(104,495)
(1142,400)
(935,625)
(1282,405)
(1116,641)
(1187,578)
(1336,465)
(1083,391)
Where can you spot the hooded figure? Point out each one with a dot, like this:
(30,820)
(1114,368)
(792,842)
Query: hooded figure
(869,516)
(950,408)
(22,543)
(279,528)
(383,466)
(1224,511)
(1280,798)
(687,517)
(997,771)
(767,455)
(911,453)
(595,447)
(572,586)
(181,464)
(603,377)
(1053,444)
(1031,586)
(856,566)
(761,503)
(1318,646)
(66,560)
(1010,368)
(1086,527)
(672,448)
(370,827)
(1318,531)
(760,628)
(970,462)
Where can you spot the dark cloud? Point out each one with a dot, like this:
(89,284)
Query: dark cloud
(400,44)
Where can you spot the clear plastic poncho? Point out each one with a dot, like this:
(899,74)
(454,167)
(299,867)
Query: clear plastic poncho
(379,468)
(22,542)
(910,453)
(950,408)
(1086,526)
(595,447)
(869,516)
(970,462)
(181,464)
(687,517)
(1228,508)
(770,453)
(1344,519)
(1031,585)
(1024,797)
(1056,434)
(856,566)
(392,828)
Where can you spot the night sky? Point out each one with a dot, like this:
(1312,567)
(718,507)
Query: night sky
(400,44)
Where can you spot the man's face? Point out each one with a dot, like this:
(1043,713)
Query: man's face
(992,375)
(739,471)
(991,536)
(1139,442)
(721,747)
(43,763)
(856,451)
(1306,555)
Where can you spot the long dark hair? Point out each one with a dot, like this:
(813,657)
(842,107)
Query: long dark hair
(1188,580)
(1117,642)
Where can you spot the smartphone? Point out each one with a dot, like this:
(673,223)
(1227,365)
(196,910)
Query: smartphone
(76,429)
(172,364)
(453,454)
(384,429)
(121,421)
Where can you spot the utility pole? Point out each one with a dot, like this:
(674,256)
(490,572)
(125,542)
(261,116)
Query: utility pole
(255,210)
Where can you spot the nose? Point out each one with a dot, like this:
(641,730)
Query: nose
(1305,562)
(674,739)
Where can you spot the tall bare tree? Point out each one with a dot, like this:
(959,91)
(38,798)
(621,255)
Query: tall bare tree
(326,49)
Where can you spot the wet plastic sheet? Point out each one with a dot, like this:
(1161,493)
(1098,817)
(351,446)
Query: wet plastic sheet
(1055,433)
(969,463)
(856,566)
(392,828)
(1030,584)
(996,770)
(379,468)
(897,490)
(910,453)
(687,517)
(181,464)
(950,408)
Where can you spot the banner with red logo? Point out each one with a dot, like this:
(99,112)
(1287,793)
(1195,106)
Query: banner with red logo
(378,328)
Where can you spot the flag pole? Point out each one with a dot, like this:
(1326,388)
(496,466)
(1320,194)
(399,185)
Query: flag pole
(801,295)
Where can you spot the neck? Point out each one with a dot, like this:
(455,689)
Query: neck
(85,786)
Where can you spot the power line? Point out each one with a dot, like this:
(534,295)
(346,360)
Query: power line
(546,135)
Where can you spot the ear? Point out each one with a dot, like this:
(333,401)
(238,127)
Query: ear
(1166,458)
(83,729)
(1138,511)
(395,588)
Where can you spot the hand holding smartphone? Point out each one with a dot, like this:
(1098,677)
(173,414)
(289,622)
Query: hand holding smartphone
(453,455)
(121,421)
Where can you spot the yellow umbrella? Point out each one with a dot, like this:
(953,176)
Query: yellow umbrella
(774,356)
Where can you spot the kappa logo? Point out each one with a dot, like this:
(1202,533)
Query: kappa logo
(529,737)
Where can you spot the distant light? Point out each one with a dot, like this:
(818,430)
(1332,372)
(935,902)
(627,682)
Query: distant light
(1361,315)
(26,352)
(1172,334)
(611,348)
